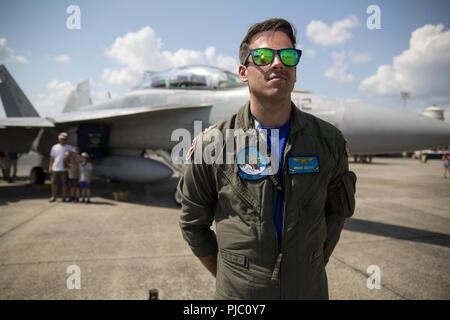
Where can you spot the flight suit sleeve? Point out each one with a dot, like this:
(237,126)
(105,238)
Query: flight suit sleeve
(197,190)
(340,203)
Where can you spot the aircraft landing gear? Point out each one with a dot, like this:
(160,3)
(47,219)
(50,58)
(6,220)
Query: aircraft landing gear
(362,159)
(37,176)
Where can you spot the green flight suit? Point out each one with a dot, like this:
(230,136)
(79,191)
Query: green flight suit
(250,264)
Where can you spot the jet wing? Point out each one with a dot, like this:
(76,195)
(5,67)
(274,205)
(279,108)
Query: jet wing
(25,122)
(114,115)
(137,128)
(18,133)
(130,126)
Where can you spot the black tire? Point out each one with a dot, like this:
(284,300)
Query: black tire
(37,176)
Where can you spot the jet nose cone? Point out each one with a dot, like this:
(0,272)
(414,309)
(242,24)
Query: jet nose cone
(380,130)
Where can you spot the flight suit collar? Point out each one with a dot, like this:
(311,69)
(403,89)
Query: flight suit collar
(243,118)
(298,118)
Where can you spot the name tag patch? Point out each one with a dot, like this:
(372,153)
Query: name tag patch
(309,164)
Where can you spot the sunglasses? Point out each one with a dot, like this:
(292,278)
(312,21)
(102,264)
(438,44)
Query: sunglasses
(290,57)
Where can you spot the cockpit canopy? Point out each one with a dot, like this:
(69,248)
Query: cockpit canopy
(191,77)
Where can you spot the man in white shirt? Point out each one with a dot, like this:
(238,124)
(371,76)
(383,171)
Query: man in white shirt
(57,166)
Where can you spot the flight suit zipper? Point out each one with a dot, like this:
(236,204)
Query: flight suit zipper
(277,267)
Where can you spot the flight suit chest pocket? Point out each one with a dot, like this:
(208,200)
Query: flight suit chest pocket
(307,209)
(309,190)
(236,199)
(308,185)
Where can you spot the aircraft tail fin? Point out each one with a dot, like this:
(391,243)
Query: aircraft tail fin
(79,97)
(14,101)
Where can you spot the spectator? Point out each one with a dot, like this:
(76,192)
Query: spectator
(85,178)
(446,165)
(5,165)
(57,166)
(13,157)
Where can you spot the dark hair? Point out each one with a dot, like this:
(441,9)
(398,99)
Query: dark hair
(274,24)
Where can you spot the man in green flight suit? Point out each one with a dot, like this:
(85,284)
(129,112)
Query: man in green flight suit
(275,231)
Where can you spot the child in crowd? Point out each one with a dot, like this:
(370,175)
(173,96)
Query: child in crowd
(73,160)
(85,178)
(446,165)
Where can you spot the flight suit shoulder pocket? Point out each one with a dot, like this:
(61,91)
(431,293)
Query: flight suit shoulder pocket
(234,258)
(341,196)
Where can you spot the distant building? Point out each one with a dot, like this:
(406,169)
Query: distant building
(437,113)
(434,112)
(447,114)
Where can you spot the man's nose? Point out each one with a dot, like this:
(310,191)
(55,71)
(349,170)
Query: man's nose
(276,63)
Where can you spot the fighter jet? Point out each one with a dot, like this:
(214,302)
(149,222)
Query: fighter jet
(118,130)
(367,129)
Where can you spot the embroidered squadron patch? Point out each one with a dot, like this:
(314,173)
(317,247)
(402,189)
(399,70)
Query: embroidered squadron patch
(308,164)
(252,164)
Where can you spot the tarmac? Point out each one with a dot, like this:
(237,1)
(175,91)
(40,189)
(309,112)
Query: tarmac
(123,249)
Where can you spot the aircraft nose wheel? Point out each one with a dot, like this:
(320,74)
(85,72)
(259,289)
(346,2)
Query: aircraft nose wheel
(177,198)
(37,176)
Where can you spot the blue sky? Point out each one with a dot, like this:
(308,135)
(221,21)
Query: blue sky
(35,34)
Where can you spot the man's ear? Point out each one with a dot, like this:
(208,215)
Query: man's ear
(243,73)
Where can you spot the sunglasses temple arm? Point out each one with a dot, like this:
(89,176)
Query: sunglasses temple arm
(244,62)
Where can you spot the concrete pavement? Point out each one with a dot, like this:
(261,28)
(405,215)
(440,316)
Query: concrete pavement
(401,225)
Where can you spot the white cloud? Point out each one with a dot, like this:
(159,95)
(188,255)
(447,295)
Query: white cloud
(52,101)
(311,53)
(124,76)
(62,58)
(341,60)
(338,71)
(322,34)
(20,59)
(423,69)
(358,57)
(7,54)
(143,50)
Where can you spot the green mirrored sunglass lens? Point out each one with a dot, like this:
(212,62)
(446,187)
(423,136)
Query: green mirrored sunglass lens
(262,56)
(289,57)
